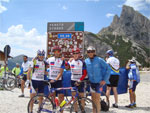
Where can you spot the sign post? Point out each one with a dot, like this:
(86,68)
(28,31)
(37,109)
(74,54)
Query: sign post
(66,35)
(7,50)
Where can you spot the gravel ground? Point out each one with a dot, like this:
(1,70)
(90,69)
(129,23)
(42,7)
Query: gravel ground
(10,103)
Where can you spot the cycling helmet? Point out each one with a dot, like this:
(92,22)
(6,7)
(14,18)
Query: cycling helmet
(110,52)
(56,48)
(17,64)
(77,50)
(91,48)
(132,61)
(41,52)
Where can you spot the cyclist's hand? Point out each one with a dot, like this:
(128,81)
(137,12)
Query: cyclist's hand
(102,83)
(62,58)
(27,83)
(77,83)
(71,59)
(52,81)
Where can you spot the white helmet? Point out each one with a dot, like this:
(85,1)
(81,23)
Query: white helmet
(17,64)
(91,48)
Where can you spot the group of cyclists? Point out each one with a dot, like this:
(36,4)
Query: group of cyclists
(98,71)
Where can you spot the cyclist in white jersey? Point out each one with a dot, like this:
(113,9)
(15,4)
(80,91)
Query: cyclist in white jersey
(114,63)
(39,67)
(78,73)
(56,66)
(24,70)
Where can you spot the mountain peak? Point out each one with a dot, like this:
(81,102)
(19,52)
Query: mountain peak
(132,25)
(134,28)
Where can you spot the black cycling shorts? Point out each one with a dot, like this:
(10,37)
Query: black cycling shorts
(24,77)
(114,79)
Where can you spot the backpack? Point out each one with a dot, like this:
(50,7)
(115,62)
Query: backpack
(104,105)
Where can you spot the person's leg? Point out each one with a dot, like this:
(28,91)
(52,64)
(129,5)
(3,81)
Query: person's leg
(22,88)
(40,99)
(40,87)
(115,95)
(114,84)
(82,101)
(131,99)
(134,97)
(31,105)
(96,101)
(108,91)
(75,105)
(32,94)
(130,94)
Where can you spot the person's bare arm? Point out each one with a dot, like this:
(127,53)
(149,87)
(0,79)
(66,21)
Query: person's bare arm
(60,74)
(28,73)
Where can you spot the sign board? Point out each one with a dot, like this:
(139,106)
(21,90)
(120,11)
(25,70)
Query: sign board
(7,50)
(66,35)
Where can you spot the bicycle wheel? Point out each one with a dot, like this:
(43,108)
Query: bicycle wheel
(86,107)
(10,84)
(45,106)
(1,83)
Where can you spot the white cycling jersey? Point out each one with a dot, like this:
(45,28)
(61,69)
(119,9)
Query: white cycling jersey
(25,66)
(115,65)
(55,64)
(39,70)
(76,69)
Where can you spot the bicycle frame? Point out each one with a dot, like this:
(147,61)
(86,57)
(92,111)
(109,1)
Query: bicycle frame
(52,90)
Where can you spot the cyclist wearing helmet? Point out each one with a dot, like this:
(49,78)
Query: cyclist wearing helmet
(133,80)
(78,73)
(39,67)
(114,63)
(98,73)
(24,69)
(56,66)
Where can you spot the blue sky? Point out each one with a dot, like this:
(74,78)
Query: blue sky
(24,21)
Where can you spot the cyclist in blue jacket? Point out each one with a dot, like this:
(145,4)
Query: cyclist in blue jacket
(98,72)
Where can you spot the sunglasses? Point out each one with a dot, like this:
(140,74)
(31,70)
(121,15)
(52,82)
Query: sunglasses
(41,55)
(75,53)
(90,51)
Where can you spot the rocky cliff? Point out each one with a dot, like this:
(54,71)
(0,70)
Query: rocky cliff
(128,35)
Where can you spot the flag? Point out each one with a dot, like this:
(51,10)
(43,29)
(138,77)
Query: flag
(72,66)
(36,66)
(52,63)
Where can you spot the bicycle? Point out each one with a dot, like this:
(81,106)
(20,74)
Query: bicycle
(7,81)
(48,104)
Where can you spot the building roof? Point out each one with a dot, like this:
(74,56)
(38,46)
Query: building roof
(4,53)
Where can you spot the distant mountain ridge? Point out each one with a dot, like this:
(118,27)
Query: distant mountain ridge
(18,59)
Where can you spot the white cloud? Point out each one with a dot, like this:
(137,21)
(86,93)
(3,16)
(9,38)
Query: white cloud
(4,1)
(138,4)
(120,6)
(148,1)
(3,8)
(23,42)
(108,15)
(64,7)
